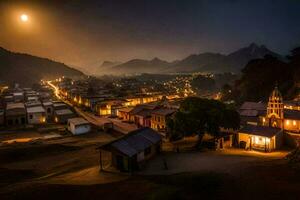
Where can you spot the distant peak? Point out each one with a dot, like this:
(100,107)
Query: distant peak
(156,59)
(253,45)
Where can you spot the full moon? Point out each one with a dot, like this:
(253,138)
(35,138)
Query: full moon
(24,18)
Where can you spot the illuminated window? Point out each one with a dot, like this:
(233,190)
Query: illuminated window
(294,123)
(287,122)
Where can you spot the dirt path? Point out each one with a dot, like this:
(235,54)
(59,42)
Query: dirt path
(223,161)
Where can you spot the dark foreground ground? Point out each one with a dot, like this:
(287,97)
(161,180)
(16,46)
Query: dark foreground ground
(272,180)
(67,168)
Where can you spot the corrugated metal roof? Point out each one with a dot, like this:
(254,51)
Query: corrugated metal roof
(135,141)
(125,148)
(138,142)
(151,135)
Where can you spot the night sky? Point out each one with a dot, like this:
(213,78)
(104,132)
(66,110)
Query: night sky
(87,32)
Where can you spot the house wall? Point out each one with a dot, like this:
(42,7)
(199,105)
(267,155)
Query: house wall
(292,125)
(49,112)
(63,118)
(274,141)
(124,115)
(36,118)
(79,129)
(158,122)
(137,159)
(14,120)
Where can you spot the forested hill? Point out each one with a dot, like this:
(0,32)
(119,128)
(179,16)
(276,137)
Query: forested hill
(27,69)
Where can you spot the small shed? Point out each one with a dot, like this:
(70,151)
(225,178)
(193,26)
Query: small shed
(130,152)
(62,116)
(78,126)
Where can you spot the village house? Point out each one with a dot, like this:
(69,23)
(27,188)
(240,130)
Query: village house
(139,108)
(109,107)
(15,114)
(262,138)
(123,113)
(32,104)
(250,112)
(62,116)
(78,126)
(130,152)
(143,118)
(48,106)
(59,106)
(18,97)
(159,118)
(36,115)
(8,99)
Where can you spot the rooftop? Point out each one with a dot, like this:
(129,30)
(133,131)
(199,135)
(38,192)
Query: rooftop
(163,111)
(78,121)
(291,114)
(127,110)
(11,106)
(59,104)
(253,106)
(33,103)
(264,131)
(63,112)
(134,142)
(36,109)
(47,103)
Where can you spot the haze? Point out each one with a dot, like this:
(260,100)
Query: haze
(85,33)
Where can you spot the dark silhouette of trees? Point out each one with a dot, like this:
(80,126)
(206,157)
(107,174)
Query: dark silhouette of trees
(200,116)
(261,75)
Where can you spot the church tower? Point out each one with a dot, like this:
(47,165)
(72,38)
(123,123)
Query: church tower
(275,109)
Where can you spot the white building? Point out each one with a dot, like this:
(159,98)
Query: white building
(36,115)
(78,126)
(48,105)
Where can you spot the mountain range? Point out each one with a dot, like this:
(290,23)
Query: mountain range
(27,69)
(204,62)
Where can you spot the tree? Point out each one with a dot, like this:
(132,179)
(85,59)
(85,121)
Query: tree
(200,116)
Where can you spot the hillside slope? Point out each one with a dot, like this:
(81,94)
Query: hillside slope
(27,69)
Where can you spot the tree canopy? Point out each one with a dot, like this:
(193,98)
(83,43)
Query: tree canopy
(200,116)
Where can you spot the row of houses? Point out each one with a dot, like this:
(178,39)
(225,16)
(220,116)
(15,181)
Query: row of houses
(26,106)
(154,115)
